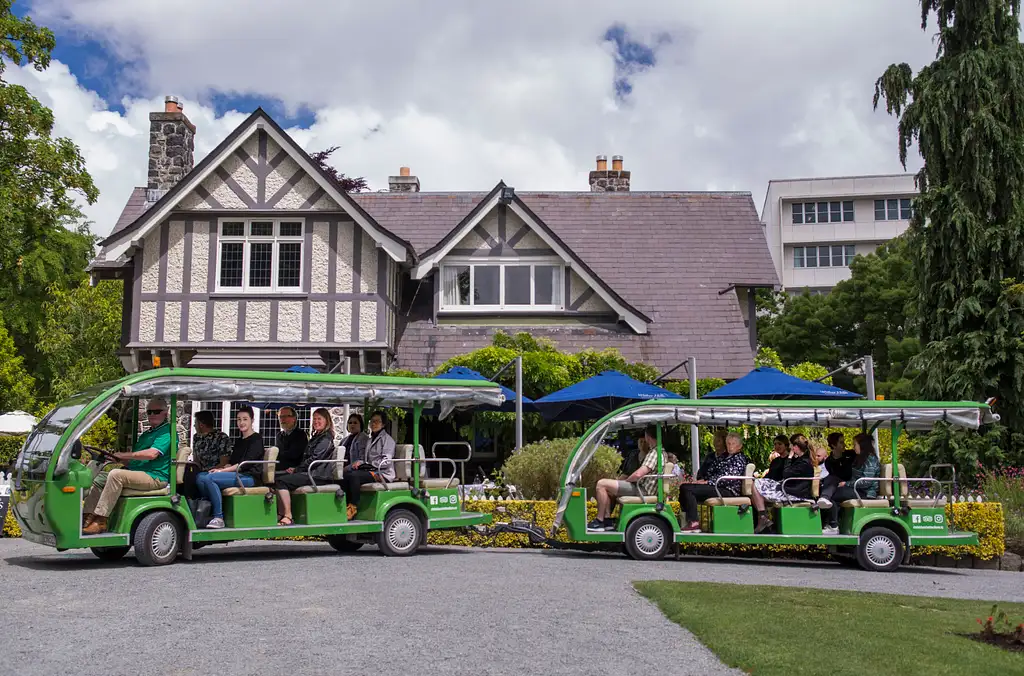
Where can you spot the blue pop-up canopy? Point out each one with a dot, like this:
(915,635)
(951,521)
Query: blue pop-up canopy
(765,382)
(465,373)
(597,396)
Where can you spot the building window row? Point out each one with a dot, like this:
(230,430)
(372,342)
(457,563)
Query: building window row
(502,285)
(893,210)
(822,212)
(833,256)
(260,255)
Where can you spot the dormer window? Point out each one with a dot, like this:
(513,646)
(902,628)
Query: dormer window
(502,285)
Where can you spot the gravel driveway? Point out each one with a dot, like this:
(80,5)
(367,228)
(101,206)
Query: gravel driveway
(300,608)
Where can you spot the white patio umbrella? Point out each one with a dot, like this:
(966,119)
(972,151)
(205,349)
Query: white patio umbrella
(17,422)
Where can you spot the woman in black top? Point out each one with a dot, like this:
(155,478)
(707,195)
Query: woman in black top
(797,465)
(320,447)
(249,446)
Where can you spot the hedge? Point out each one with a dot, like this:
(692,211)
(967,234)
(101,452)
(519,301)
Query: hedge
(984,518)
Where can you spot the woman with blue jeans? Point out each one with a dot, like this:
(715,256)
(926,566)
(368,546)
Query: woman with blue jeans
(249,446)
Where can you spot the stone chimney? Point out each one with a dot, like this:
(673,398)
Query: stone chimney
(403,182)
(171,144)
(602,180)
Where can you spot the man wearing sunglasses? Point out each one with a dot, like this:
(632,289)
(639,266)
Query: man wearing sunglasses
(291,440)
(146,468)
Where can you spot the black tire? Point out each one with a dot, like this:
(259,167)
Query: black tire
(879,550)
(401,535)
(342,544)
(157,539)
(110,553)
(648,538)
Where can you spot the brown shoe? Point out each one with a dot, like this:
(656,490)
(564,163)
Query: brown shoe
(87,521)
(99,525)
(352,509)
(763,524)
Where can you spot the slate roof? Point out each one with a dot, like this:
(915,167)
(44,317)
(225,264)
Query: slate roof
(668,254)
(132,209)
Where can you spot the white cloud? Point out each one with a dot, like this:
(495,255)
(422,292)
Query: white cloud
(474,92)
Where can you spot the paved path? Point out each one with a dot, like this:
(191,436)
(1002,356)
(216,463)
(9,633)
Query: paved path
(300,608)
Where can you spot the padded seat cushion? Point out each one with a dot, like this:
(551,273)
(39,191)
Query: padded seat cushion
(132,493)
(865,503)
(393,486)
(438,483)
(254,490)
(924,503)
(637,500)
(727,502)
(320,488)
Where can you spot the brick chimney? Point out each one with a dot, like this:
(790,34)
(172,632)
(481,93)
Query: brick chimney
(171,144)
(603,180)
(403,182)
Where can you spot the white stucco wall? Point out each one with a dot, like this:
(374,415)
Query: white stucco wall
(147,321)
(196,321)
(318,321)
(343,271)
(321,257)
(175,256)
(200,259)
(342,321)
(151,262)
(257,321)
(289,321)
(368,269)
(367,321)
(225,321)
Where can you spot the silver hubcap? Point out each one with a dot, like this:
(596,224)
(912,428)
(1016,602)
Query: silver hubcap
(880,550)
(649,539)
(165,540)
(402,534)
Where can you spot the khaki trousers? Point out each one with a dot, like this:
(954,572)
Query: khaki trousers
(107,486)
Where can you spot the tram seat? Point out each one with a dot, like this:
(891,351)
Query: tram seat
(402,471)
(337,471)
(429,482)
(183,453)
(648,484)
(746,489)
(913,503)
(269,455)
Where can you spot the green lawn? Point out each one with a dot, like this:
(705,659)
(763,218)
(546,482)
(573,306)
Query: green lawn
(781,630)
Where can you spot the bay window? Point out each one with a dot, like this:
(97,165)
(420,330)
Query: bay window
(502,285)
(259,255)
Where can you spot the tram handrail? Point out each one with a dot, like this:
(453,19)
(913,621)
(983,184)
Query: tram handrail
(309,469)
(649,478)
(896,479)
(951,482)
(730,477)
(469,455)
(782,485)
(437,460)
(238,474)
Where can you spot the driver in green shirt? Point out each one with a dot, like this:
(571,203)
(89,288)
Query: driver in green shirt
(147,468)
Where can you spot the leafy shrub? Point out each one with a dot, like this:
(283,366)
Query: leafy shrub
(9,448)
(1007,487)
(536,469)
(11,529)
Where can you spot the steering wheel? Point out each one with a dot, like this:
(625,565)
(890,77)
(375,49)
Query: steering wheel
(110,457)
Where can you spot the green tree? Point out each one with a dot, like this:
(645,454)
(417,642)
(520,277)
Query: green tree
(803,330)
(16,385)
(81,334)
(42,239)
(967,232)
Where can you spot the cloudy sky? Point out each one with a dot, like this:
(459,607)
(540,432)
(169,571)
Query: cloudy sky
(709,95)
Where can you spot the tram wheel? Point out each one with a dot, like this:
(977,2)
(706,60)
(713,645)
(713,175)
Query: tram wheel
(401,534)
(648,538)
(110,553)
(879,550)
(342,544)
(157,539)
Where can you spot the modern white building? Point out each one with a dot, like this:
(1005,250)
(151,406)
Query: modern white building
(815,226)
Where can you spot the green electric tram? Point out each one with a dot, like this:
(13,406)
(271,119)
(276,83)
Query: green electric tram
(50,479)
(876,533)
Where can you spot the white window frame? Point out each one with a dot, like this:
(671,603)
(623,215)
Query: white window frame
(276,239)
(502,263)
(815,212)
(897,214)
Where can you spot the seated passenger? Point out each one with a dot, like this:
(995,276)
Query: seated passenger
(733,463)
(780,449)
(840,460)
(320,447)
(718,442)
(291,440)
(607,489)
(147,468)
(376,466)
(828,482)
(249,446)
(356,442)
(798,464)
(865,464)
(210,447)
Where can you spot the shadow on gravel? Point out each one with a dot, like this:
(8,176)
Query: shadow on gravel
(208,555)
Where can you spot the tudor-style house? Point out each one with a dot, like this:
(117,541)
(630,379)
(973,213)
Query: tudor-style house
(255,258)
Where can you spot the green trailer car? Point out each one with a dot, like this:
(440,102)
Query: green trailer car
(50,479)
(875,533)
